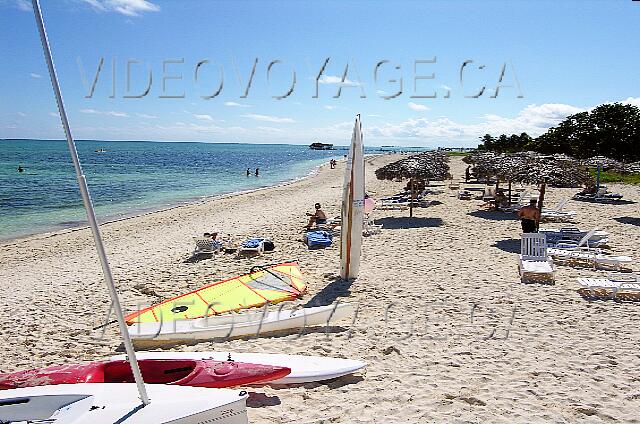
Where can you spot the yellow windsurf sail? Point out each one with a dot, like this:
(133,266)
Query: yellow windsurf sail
(271,284)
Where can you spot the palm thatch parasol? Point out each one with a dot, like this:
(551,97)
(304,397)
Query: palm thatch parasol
(426,166)
(532,168)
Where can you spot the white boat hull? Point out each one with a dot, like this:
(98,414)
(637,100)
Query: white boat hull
(238,325)
(352,207)
(99,403)
(304,369)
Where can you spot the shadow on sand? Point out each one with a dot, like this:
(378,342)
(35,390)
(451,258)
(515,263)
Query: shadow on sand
(392,223)
(330,293)
(628,220)
(260,400)
(494,215)
(508,245)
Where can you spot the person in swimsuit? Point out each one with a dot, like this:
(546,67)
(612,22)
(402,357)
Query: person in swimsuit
(319,217)
(529,217)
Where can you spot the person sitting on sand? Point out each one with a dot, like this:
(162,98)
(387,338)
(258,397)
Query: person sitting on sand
(529,217)
(501,199)
(319,217)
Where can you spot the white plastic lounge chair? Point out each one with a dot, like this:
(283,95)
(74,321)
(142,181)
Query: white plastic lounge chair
(557,214)
(535,264)
(555,235)
(252,246)
(370,227)
(205,245)
(622,286)
(590,257)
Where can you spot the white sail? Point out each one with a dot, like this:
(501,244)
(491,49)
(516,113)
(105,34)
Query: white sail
(352,207)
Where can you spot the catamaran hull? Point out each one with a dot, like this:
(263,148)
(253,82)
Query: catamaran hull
(238,325)
(118,402)
(304,368)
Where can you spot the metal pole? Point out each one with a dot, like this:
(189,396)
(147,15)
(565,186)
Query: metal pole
(88,205)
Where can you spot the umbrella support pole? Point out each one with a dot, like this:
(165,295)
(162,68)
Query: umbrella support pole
(413,191)
(509,192)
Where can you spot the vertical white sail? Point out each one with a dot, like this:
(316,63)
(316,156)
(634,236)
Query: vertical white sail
(352,207)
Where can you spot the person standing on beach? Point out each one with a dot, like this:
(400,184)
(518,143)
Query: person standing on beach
(529,217)
(257,172)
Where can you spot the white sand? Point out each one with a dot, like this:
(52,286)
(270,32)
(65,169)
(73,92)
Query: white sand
(432,291)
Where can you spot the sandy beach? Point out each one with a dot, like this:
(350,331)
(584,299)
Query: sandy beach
(449,332)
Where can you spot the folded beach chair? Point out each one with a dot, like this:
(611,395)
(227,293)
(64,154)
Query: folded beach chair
(252,246)
(535,265)
(205,245)
(627,287)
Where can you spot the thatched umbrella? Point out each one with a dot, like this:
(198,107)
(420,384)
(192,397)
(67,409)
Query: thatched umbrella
(424,166)
(533,168)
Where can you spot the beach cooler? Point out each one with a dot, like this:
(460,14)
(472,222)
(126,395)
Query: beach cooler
(318,239)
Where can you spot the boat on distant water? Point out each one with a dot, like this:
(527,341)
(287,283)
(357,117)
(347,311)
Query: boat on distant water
(321,146)
(101,151)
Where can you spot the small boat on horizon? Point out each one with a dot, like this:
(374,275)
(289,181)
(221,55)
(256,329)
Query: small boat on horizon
(101,150)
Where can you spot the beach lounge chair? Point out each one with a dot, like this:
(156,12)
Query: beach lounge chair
(252,246)
(206,245)
(535,265)
(370,227)
(627,287)
(557,213)
(564,234)
(601,196)
(580,253)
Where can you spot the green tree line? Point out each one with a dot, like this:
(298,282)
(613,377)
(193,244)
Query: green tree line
(611,130)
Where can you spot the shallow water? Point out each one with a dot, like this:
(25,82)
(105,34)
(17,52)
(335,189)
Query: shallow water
(132,177)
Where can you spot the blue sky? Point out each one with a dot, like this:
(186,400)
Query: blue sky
(559,58)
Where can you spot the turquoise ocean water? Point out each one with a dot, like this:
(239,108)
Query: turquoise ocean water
(133,177)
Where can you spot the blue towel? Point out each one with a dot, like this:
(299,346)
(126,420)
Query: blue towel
(319,239)
(252,243)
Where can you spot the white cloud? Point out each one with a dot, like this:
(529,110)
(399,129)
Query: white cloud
(204,117)
(145,116)
(329,107)
(416,106)
(54,114)
(117,114)
(234,104)
(123,7)
(332,79)
(34,75)
(374,116)
(24,5)
(635,101)
(270,129)
(267,118)
(108,113)
(533,119)
(21,114)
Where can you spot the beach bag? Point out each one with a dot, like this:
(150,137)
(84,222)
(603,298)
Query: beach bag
(269,246)
(318,239)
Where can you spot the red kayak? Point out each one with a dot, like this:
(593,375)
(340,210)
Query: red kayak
(181,372)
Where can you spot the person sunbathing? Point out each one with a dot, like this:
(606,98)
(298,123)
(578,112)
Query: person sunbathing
(319,217)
